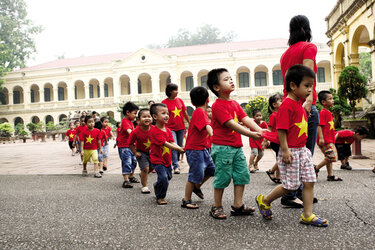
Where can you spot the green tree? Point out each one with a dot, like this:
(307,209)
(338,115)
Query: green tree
(6,129)
(365,65)
(17,35)
(352,86)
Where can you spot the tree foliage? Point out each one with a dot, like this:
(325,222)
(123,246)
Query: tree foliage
(353,86)
(6,129)
(365,65)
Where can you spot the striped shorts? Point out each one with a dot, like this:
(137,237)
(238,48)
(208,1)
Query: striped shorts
(300,170)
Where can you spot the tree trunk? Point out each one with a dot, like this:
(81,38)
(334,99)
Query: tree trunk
(353,110)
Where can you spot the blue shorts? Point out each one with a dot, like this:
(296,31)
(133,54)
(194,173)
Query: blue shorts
(100,156)
(105,149)
(128,160)
(200,165)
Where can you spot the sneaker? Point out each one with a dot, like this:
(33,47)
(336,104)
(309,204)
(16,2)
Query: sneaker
(127,184)
(134,180)
(104,168)
(80,163)
(101,172)
(97,175)
(177,171)
(84,173)
(346,167)
(145,190)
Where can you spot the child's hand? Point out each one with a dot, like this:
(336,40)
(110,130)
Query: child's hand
(114,146)
(138,154)
(287,157)
(321,141)
(82,153)
(101,151)
(181,150)
(256,135)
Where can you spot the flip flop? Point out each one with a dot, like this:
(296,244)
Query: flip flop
(185,204)
(198,192)
(274,179)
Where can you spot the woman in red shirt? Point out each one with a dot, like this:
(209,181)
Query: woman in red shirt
(177,113)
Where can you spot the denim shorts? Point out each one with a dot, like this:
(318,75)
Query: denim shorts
(100,156)
(200,165)
(144,160)
(105,149)
(128,161)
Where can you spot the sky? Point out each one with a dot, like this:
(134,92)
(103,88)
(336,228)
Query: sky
(75,28)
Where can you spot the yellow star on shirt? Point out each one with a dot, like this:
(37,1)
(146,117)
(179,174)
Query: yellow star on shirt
(235,119)
(303,126)
(71,135)
(147,144)
(89,139)
(165,150)
(332,125)
(176,112)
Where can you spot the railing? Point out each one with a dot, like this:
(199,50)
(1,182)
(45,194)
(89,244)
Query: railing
(323,86)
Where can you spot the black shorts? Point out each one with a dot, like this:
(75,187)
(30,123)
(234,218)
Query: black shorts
(71,146)
(275,147)
(343,150)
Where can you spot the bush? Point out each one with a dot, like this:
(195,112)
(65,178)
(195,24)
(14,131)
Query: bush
(6,129)
(261,103)
(50,126)
(18,128)
(32,127)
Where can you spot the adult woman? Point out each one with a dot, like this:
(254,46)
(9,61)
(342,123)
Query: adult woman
(177,113)
(301,51)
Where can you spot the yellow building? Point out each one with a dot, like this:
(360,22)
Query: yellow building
(350,26)
(50,91)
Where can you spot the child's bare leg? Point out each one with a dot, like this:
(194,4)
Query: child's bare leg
(144,176)
(346,160)
(276,193)
(126,177)
(321,164)
(96,168)
(277,173)
(131,175)
(308,196)
(238,195)
(218,197)
(188,190)
(274,168)
(329,169)
(105,163)
(257,160)
(251,163)
(85,166)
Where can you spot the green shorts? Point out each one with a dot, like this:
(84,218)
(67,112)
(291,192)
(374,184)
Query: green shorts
(230,164)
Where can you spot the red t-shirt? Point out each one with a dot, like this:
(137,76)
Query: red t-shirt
(197,133)
(108,131)
(223,111)
(79,130)
(123,136)
(295,54)
(117,133)
(141,139)
(291,117)
(176,110)
(90,138)
(272,121)
(345,137)
(209,138)
(328,126)
(103,137)
(70,134)
(160,154)
(258,143)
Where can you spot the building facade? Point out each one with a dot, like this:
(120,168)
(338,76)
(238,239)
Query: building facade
(50,91)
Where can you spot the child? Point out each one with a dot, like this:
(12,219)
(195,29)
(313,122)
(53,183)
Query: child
(294,159)
(160,154)
(343,140)
(79,131)
(103,139)
(201,166)
(227,151)
(128,160)
(90,141)
(118,126)
(76,143)
(209,138)
(70,134)
(139,144)
(326,135)
(257,149)
(108,132)
(274,103)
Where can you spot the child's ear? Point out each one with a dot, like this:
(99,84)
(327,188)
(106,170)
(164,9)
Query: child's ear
(292,85)
(154,116)
(216,87)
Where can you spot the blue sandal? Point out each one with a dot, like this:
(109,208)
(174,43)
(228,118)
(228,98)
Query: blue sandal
(317,223)
(264,209)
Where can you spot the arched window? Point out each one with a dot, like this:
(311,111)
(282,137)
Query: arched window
(260,78)
(189,83)
(16,97)
(32,96)
(98,90)
(139,87)
(277,77)
(75,92)
(105,90)
(91,91)
(321,75)
(47,94)
(60,93)
(243,80)
(204,81)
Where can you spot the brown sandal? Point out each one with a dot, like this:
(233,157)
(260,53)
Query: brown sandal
(218,213)
(161,201)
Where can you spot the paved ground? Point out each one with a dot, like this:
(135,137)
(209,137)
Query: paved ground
(74,212)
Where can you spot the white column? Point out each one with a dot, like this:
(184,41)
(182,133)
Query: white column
(155,81)
(101,87)
(41,95)
(70,90)
(27,99)
(87,91)
(133,86)
(195,81)
(55,94)
(116,88)
(10,98)
(270,82)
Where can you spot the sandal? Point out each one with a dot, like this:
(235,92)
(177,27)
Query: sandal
(264,210)
(278,180)
(189,204)
(274,179)
(161,201)
(317,223)
(252,169)
(218,213)
(316,170)
(243,210)
(134,180)
(198,192)
(333,178)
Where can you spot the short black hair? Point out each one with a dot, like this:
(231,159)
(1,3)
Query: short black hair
(273,98)
(103,118)
(118,124)
(98,125)
(141,111)
(129,106)
(154,108)
(169,88)
(295,74)
(150,101)
(87,118)
(299,30)
(362,131)
(255,111)
(213,78)
(82,117)
(94,112)
(322,96)
(198,96)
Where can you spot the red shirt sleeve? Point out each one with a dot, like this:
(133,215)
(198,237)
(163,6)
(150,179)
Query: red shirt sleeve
(283,116)
(221,114)
(310,51)
(133,137)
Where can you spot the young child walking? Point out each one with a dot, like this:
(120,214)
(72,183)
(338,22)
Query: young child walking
(108,132)
(128,160)
(257,148)
(209,138)
(227,151)
(326,135)
(81,128)
(294,159)
(103,139)
(201,166)
(274,103)
(140,143)
(76,143)
(90,142)
(118,126)
(70,134)
(160,154)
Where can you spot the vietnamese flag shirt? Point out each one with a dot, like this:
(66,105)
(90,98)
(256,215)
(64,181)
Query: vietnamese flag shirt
(79,130)
(272,121)
(258,143)
(71,133)
(176,110)
(141,139)
(293,119)
(123,135)
(90,138)
(345,137)
(103,137)
(328,126)
(223,111)
(160,154)
(197,133)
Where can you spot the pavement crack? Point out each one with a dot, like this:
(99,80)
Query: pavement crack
(355,213)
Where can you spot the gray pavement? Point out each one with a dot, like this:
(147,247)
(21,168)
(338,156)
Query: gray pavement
(74,212)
